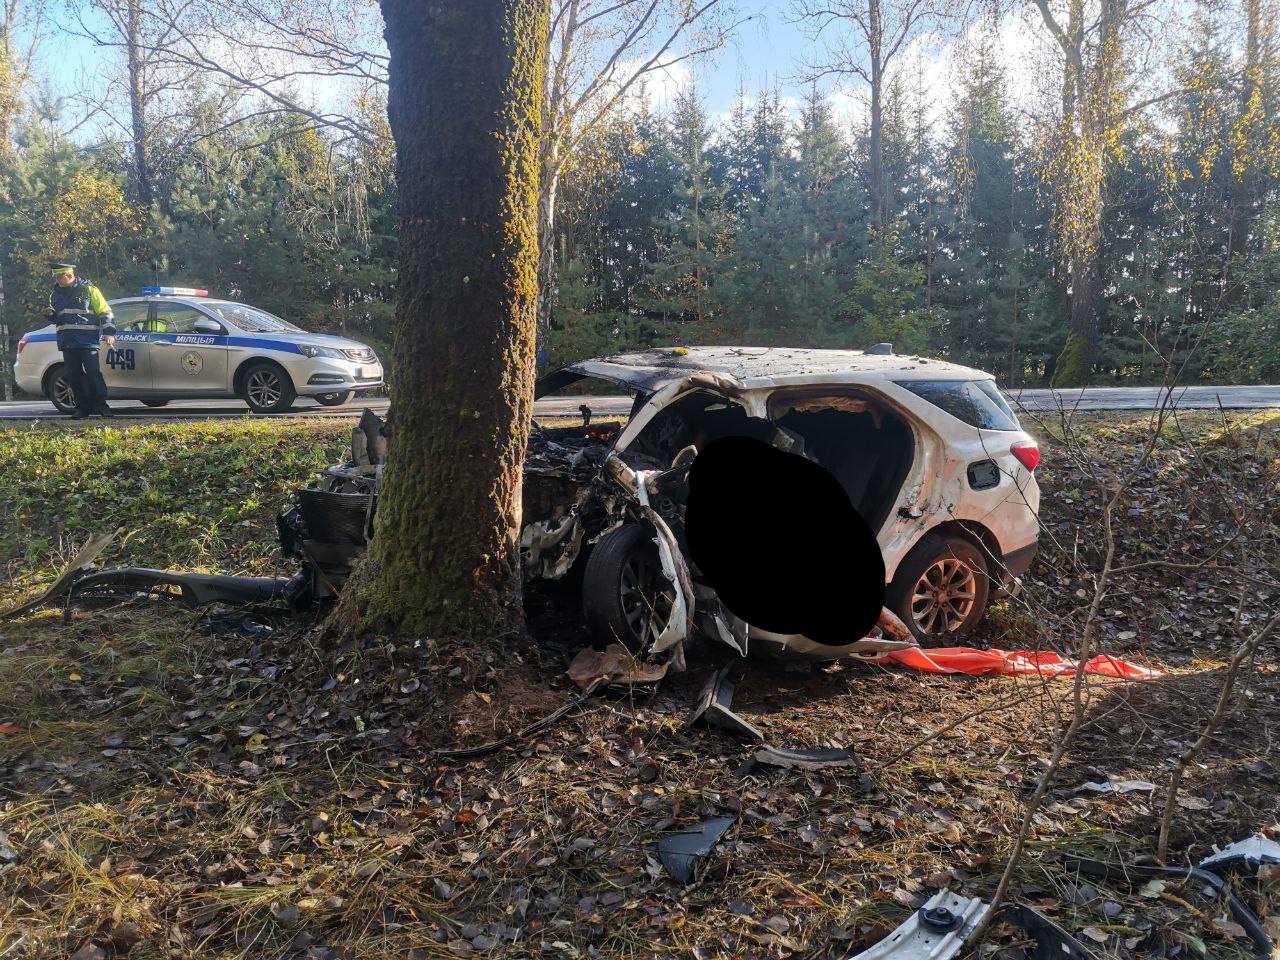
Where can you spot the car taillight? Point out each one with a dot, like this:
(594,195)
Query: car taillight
(1027,452)
(22,344)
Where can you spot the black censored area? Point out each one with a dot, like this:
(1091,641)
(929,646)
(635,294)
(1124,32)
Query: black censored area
(776,536)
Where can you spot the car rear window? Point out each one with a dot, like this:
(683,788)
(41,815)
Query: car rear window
(976,402)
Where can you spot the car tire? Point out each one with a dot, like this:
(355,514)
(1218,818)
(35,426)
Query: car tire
(333,399)
(266,388)
(623,580)
(58,389)
(155,401)
(940,590)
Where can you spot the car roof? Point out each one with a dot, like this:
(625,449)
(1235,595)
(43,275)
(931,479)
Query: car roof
(649,370)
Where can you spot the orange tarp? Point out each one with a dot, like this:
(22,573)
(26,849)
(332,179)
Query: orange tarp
(1012,663)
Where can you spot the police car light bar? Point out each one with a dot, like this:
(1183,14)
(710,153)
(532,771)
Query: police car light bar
(176,291)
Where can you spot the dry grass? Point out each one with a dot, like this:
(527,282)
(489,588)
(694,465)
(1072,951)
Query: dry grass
(176,794)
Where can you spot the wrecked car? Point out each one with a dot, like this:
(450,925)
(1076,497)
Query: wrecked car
(929,453)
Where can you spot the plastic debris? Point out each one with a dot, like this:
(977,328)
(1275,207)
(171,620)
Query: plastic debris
(806,759)
(681,851)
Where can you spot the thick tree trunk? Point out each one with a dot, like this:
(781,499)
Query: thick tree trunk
(137,101)
(465,104)
(1076,360)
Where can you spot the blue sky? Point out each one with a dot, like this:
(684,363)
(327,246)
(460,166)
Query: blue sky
(765,54)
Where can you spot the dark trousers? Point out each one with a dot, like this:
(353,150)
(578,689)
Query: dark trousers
(86,379)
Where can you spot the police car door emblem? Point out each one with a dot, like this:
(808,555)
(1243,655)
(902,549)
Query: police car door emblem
(192,362)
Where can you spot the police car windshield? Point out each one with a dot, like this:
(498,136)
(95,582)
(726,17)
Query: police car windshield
(249,319)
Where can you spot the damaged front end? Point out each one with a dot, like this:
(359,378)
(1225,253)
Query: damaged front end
(604,501)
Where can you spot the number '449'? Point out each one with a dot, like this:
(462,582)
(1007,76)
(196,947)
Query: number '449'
(121,359)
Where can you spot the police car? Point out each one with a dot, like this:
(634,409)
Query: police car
(176,343)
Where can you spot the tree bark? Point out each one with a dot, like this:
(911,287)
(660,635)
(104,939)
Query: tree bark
(465,105)
(137,100)
(875,40)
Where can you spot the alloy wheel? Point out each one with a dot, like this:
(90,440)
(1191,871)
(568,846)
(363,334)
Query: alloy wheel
(62,392)
(263,388)
(944,596)
(647,598)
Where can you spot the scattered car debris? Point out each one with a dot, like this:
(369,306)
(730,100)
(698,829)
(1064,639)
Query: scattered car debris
(1220,888)
(938,930)
(1249,853)
(1117,786)
(714,708)
(615,664)
(193,589)
(806,759)
(1052,942)
(681,850)
(86,555)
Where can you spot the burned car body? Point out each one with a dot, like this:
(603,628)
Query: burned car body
(928,453)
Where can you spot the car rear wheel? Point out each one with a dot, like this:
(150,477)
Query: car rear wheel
(155,401)
(940,591)
(626,597)
(333,399)
(58,390)
(268,389)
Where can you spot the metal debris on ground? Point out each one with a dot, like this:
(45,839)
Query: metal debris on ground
(1250,853)
(806,759)
(681,851)
(937,931)
(714,708)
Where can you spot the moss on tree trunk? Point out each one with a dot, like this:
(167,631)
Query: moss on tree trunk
(465,104)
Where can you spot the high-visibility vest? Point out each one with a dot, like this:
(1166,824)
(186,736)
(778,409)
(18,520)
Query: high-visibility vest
(77,323)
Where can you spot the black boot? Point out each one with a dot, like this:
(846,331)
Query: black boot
(80,415)
(106,411)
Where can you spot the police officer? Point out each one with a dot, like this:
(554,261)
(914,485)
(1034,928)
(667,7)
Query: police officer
(82,316)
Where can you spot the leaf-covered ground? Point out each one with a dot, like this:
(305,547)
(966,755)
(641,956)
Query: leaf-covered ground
(166,791)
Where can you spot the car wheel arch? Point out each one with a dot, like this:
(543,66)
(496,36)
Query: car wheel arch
(237,379)
(46,378)
(978,534)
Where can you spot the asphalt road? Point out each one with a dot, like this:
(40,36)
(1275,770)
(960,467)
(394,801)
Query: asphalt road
(1093,398)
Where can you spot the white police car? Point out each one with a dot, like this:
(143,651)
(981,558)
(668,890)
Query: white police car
(175,343)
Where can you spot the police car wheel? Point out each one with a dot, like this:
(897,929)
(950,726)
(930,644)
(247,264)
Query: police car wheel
(333,399)
(268,389)
(155,401)
(58,390)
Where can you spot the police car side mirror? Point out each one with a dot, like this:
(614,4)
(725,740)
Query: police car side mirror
(205,325)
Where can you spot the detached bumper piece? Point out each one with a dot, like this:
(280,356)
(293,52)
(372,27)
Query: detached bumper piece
(193,589)
(936,931)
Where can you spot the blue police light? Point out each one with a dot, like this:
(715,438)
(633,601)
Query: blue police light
(175,291)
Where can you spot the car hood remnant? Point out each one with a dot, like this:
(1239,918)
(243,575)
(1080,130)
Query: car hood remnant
(777,538)
(937,931)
